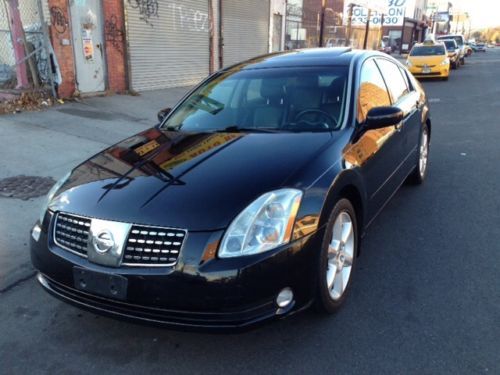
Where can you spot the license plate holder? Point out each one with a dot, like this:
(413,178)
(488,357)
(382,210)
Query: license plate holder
(426,70)
(103,284)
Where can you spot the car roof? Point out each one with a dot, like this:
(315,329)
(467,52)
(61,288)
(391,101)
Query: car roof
(429,44)
(448,36)
(334,56)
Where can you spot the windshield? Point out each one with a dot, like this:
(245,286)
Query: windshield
(273,99)
(428,51)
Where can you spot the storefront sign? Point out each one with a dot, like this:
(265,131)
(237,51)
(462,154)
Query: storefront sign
(394,14)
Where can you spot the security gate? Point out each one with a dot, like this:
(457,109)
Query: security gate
(168,42)
(246,29)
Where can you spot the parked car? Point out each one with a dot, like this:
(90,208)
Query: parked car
(468,50)
(453,52)
(429,60)
(249,199)
(479,47)
(461,44)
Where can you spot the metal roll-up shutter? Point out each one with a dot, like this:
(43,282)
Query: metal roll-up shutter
(246,29)
(168,43)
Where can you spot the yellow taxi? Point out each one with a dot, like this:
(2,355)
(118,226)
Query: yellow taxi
(429,59)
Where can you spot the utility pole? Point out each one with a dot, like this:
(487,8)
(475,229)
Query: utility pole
(322,23)
(17,31)
(367,28)
(349,26)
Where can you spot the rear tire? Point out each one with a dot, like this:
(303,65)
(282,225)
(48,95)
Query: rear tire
(417,177)
(337,258)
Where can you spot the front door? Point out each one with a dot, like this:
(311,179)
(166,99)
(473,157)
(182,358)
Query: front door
(376,152)
(88,44)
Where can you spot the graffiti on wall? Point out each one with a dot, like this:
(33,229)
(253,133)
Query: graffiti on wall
(58,20)
(114,34)
(183,17)
(189,19)
(147,9)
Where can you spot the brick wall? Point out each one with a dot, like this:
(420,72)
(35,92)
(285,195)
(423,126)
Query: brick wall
(64,53)
(114,43)
(114,39)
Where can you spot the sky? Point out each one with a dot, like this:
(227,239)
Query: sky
(483,13)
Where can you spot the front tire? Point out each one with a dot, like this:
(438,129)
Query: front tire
(418,175)
(338,257)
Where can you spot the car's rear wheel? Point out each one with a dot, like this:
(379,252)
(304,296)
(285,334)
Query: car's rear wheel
(420,172)
(338,257)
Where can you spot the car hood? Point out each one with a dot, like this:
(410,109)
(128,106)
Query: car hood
(194,181)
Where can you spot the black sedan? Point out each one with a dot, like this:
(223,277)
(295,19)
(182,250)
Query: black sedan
(247,202)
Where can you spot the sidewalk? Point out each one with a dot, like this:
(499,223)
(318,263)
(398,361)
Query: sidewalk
(51,142)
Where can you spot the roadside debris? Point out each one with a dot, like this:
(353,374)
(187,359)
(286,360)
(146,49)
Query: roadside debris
(26,101)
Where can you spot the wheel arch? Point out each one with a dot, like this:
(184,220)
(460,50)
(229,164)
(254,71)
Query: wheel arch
(348,185)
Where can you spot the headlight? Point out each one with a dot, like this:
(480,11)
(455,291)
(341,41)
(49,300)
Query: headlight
(50,195)
(408,63)
(264,225)
(445,62)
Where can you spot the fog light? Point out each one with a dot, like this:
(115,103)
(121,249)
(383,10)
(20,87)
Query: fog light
(285,297)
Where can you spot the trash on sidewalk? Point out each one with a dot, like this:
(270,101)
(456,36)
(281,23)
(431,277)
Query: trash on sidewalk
(15,102)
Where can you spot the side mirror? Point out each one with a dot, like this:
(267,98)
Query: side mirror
(163,113)
(381,117)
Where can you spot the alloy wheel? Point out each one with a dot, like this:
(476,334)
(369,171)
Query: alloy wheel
(340,255)
(424,152)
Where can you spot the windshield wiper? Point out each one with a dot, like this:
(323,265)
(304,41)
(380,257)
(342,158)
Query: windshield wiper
(238,129)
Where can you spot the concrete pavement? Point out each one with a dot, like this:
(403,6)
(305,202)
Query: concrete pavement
(50,143)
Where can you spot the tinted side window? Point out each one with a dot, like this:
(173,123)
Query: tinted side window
(372,90)
(405,78)
(397,85)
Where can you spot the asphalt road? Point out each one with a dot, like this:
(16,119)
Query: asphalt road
(425,298)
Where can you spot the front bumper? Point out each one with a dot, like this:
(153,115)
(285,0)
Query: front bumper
(434,72)
(217,294)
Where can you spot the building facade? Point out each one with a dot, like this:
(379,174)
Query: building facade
(327,23)
(139,45)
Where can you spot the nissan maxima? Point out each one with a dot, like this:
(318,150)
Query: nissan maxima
(247,202)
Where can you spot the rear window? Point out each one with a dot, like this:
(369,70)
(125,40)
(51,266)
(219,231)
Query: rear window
(450,45)
(428,51)
(459,39)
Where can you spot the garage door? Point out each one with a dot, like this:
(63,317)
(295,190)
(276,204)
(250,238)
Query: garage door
(246,29)
(168,43)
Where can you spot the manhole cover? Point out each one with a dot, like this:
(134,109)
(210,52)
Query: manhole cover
(25,187)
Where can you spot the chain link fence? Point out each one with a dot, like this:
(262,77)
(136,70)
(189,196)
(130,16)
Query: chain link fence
(29,67)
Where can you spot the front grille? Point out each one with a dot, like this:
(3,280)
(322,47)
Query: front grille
(72,233)
(428,66)
(153,246)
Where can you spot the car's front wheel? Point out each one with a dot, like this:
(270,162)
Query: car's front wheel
(418,175)
(338,257)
